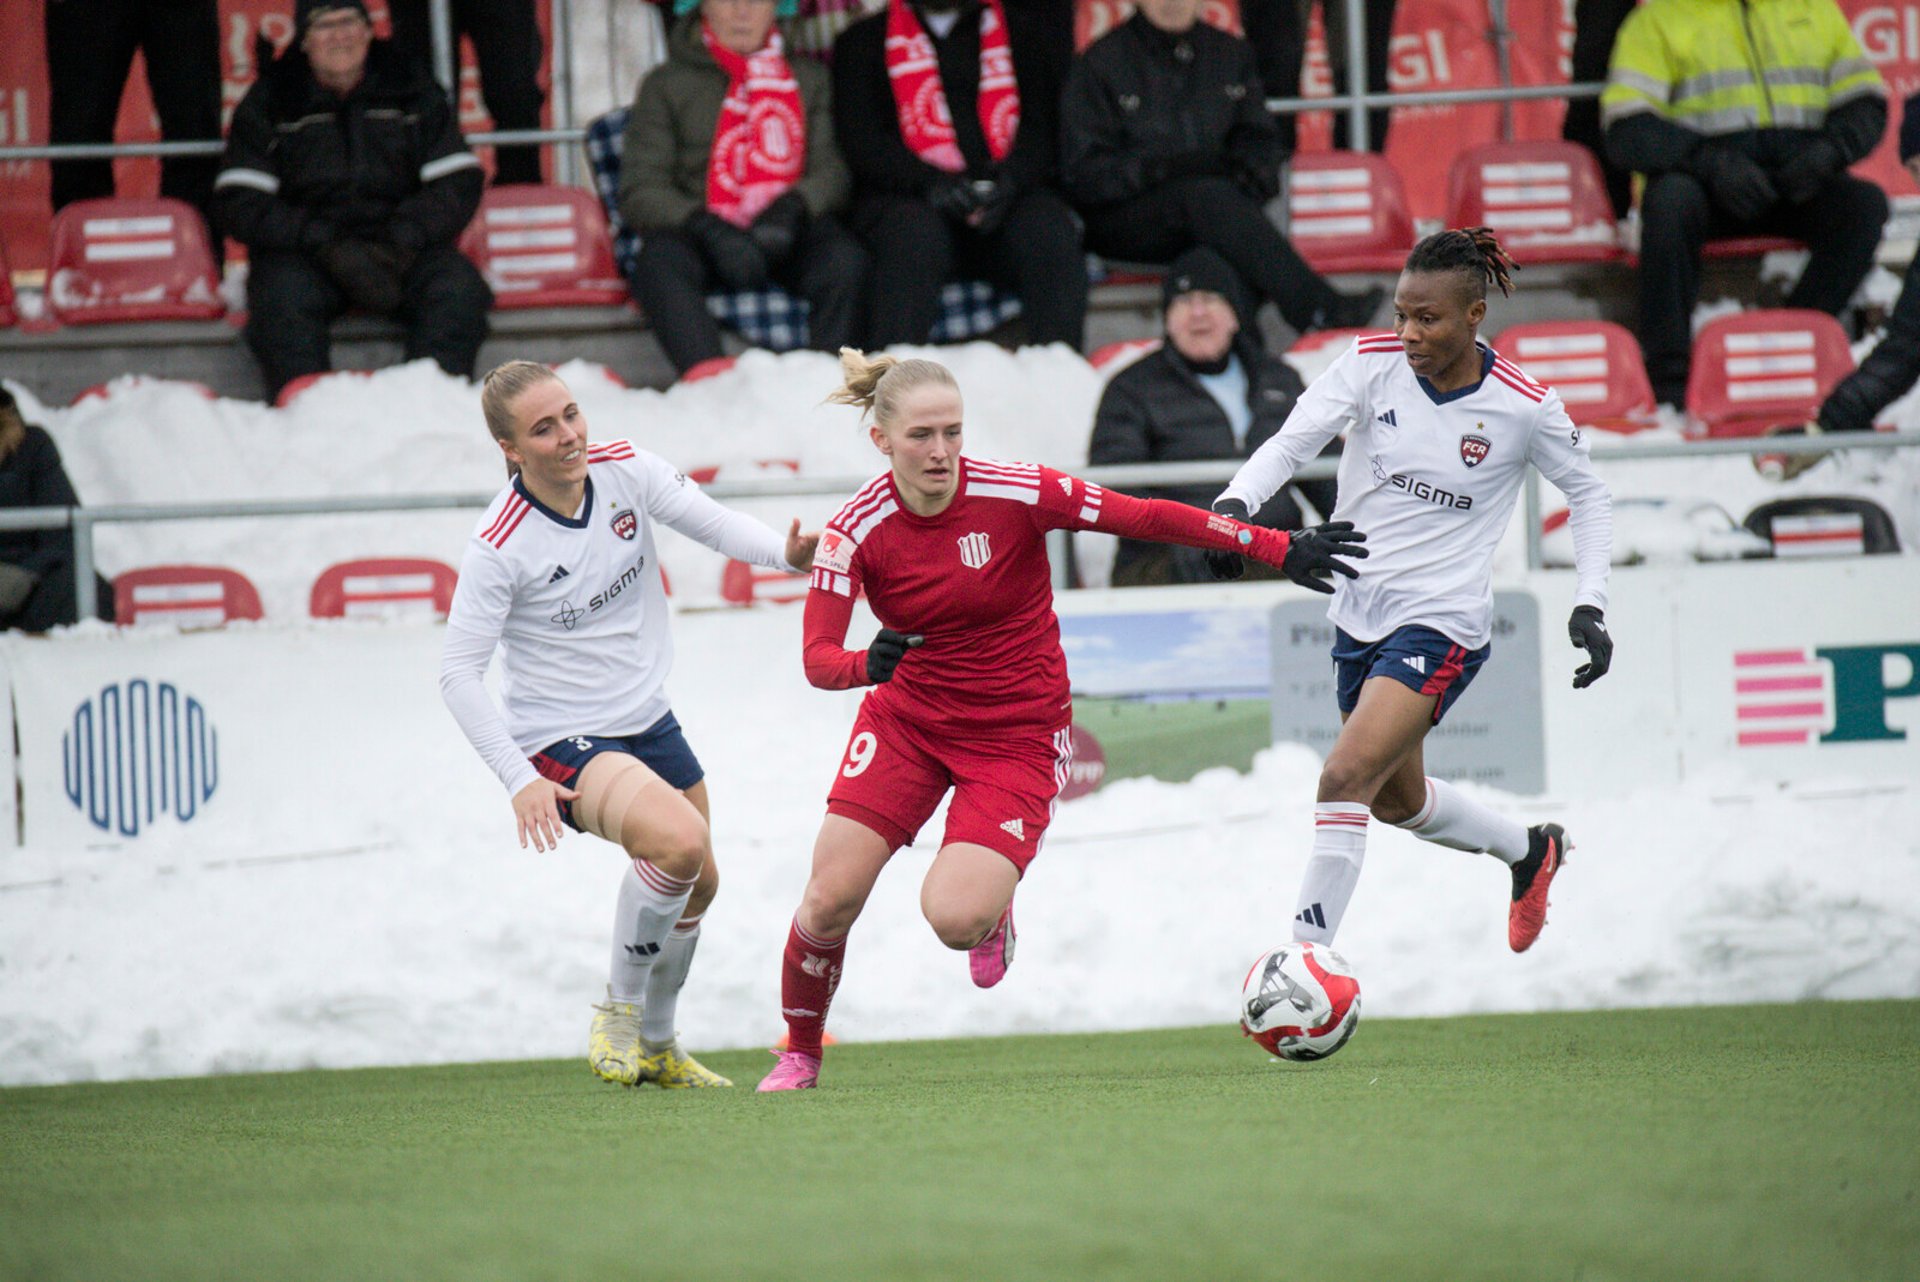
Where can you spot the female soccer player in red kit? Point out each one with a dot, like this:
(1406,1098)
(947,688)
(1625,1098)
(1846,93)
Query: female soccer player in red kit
(970,684)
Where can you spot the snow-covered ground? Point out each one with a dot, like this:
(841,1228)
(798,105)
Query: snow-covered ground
(444,942)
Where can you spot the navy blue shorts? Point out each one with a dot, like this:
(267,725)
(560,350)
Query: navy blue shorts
(1421,659)
(661,747)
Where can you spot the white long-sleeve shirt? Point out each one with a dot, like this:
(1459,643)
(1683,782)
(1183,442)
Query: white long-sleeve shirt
(1431,479)
(576,607)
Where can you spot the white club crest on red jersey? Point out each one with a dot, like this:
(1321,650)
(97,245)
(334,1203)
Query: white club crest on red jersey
(974,550)
(624,523)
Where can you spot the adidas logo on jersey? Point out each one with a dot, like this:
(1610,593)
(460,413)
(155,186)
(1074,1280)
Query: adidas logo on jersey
(1066,486)
(559,573)
(1312,916)
(1015,827)
(1418,662)
(1387,418)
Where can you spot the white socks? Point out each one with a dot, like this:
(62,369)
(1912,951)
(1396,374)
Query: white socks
(650,904)
(1333,870)
(663,985)
(1450,819)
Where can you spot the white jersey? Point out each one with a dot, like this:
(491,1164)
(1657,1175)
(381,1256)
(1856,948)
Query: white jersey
(576,606)
(1431,479)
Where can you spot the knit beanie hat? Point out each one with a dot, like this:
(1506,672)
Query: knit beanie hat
(308,10)
(1203,268)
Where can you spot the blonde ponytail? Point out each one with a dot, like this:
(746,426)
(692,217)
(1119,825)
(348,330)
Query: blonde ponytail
(878,383)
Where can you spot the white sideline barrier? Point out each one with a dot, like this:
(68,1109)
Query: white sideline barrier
(1783,671)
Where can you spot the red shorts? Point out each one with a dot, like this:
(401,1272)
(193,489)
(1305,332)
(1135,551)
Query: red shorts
(893,775)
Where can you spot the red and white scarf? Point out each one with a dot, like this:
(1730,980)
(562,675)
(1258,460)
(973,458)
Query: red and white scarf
(914,72)
(760,139)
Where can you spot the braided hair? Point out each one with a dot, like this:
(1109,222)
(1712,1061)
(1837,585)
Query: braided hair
(1473,251)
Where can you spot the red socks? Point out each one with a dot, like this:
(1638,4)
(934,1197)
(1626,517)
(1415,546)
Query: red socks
(809,972)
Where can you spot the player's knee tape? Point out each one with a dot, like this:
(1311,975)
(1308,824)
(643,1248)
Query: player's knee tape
(617,800)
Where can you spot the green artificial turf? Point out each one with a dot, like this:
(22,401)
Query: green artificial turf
(1742,1143)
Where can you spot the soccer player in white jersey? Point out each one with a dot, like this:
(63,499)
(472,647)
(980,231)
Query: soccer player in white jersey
(1441,430)
(562,576)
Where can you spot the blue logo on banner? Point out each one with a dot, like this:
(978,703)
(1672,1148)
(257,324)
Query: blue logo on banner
(140,750)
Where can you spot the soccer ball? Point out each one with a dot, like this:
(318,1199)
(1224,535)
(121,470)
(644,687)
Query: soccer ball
(1300,1001)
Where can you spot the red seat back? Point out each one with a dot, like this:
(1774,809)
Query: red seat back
(1546,200)
(1113,357)
(1595,366)
(126,259)
(544,246)
(7,313)
(202,596)
(1756,370)
(383,586)
(712,367)
(1347,212)
(743,584)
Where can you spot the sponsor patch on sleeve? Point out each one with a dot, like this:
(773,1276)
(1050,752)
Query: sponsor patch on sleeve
(835,552)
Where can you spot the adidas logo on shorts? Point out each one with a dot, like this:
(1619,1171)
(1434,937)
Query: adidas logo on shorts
(1014,826)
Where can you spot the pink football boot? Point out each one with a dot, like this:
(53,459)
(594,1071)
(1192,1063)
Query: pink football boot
(796,1071)
(988,960)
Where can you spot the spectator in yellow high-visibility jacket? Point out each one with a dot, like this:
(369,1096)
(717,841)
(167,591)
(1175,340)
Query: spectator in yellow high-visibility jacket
(1743,115)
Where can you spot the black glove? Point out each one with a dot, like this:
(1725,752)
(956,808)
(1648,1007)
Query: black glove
(1734,180)
(1588,631)
(884,655)
(1315,552)
(16,585)
(1810,168)
(777,229)
(1260,181)
(737,260)
(954,196)
(371,273)
(1227,565)
(994,207)
(1202,163)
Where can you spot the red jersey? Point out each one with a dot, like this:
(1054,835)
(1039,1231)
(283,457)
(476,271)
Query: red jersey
(976,583)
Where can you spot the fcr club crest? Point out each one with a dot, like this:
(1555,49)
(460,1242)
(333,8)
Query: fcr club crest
(624,524)
(1473,449)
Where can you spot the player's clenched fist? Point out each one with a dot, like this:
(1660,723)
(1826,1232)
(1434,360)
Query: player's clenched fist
(884,655)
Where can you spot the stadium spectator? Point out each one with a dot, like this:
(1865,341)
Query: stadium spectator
(1893,366)
(970,681)
(588,739)
(90,48)
(1277,30)
(36,566)
(506,51)
(347,179)
(731,176)
(1210,392)
(1166,143)
(948,114)
(1744,119)
(1595,24)
(1442,431)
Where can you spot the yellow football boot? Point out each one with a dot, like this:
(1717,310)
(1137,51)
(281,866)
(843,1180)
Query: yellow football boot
(613,1044)
(673,1069)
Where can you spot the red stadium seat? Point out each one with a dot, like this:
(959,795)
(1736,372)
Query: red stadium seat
(7,313)
(383,586)
(743,584)
(1116,356)
(544,246)
(190,596)
(1347,212)
(1322,339)
(1758,370)
(296,387)
(122,259)
(1546,200)
(709,368)
(1748,246)
(1594,365)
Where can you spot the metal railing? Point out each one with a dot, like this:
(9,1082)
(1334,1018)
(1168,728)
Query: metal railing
(83,520)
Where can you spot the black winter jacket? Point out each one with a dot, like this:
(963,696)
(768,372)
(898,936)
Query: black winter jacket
(1156,411)
(386,162)
(1138,97)
(33,477)
(866,119)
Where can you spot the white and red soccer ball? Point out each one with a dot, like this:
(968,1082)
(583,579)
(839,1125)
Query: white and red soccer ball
(1300,1001)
